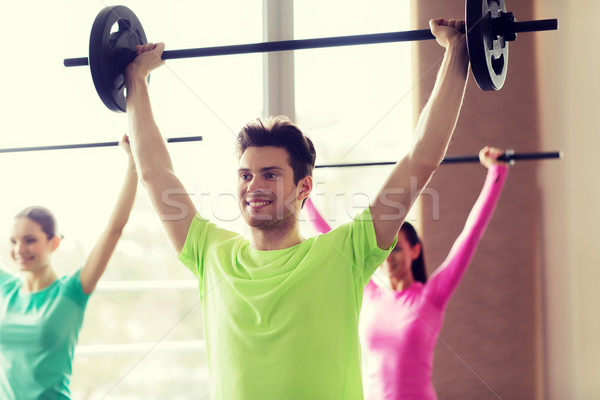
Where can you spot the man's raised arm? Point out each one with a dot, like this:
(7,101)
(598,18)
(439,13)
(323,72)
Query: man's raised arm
(432,136)
(155,169)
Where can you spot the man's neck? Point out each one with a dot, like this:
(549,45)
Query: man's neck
(282,236)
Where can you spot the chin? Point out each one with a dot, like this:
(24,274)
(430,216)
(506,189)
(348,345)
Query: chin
(269,223)
(387,269)
(263,225)
(395,272)
(258,221)
(24,268)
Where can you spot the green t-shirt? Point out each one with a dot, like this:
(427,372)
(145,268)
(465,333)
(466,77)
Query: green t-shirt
(38,334)
(283,324)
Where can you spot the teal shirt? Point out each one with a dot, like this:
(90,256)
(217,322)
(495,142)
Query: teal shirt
(283,324)
(38,335)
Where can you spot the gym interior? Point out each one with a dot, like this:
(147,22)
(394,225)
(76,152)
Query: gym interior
(523,323)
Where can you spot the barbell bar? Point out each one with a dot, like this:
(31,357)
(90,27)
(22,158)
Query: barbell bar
(509,156)
(488,27)
(302,44)
(89,145)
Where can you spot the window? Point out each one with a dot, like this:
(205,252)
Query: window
(354,102)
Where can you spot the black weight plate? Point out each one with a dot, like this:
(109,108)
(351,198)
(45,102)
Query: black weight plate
(110,52)
(488,52)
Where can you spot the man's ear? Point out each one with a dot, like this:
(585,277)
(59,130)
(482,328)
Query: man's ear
(305,186)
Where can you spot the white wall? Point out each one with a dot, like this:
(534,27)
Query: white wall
(569,108)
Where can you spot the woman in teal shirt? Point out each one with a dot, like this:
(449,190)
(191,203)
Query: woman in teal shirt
(40,313)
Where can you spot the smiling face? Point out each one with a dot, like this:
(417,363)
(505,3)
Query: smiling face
(399,261)
(30,247)
(267,194)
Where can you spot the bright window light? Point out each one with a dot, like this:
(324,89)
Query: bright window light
(354,102)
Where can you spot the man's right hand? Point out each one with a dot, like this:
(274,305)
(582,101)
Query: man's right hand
(448,32)
(148,59)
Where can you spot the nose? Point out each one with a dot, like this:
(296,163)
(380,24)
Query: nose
(251,187)
(18,247)
(255,185)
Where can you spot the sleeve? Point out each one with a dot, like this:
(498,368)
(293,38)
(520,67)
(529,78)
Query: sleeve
(360,246)
(74,290)
(443,282)
(201,237)
(194,242)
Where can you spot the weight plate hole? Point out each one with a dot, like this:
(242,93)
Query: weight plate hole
(115,27)
(498,64)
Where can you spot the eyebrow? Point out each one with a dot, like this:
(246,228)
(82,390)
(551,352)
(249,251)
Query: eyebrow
(265,169)
(28,236)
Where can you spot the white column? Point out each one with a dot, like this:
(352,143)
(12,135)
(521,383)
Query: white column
(278,24)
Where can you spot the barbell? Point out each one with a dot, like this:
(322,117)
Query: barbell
(489,28)
(508,156)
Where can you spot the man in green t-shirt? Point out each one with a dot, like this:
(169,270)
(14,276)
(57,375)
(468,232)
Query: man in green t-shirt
(281,311)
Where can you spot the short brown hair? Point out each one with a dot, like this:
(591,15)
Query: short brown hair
(280,132)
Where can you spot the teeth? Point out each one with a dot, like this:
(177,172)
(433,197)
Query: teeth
(258,203)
